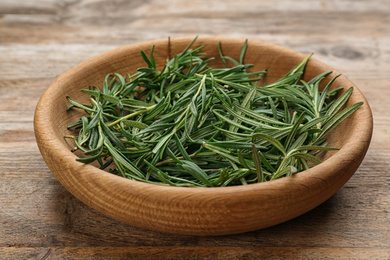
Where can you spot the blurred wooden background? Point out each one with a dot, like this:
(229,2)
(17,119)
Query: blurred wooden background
(40,39)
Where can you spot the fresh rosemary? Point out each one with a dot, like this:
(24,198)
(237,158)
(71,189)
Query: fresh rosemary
(193,125)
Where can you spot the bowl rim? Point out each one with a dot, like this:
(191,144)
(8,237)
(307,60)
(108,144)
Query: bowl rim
(353,150)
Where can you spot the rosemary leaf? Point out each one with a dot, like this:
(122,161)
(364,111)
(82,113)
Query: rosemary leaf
(194,125)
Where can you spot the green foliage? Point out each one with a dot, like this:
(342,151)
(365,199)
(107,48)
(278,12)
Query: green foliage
(194,125)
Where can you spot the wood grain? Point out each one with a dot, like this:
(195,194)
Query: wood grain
(193,253)
(37,215)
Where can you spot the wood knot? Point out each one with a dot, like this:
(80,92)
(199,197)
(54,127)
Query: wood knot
(347,52)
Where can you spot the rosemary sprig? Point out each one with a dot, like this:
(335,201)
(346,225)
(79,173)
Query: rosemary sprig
(195,125)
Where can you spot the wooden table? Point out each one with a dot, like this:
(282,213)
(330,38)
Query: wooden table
(40,39)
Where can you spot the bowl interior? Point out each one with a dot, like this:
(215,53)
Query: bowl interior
(51,121)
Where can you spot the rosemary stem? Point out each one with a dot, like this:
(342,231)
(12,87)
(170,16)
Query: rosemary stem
(131,115)
(194,125)
(168,161)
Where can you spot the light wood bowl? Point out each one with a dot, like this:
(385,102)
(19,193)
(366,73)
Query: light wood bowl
(196,211)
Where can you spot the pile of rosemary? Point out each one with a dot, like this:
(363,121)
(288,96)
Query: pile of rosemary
(193,125)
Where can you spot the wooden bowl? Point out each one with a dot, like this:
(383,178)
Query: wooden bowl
(196,211)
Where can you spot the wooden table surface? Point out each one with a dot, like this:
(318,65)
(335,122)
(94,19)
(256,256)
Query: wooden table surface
(40,39)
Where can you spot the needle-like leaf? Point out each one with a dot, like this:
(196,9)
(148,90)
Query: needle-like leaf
(191,124)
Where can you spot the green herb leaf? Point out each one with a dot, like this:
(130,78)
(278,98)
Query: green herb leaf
(191,124)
